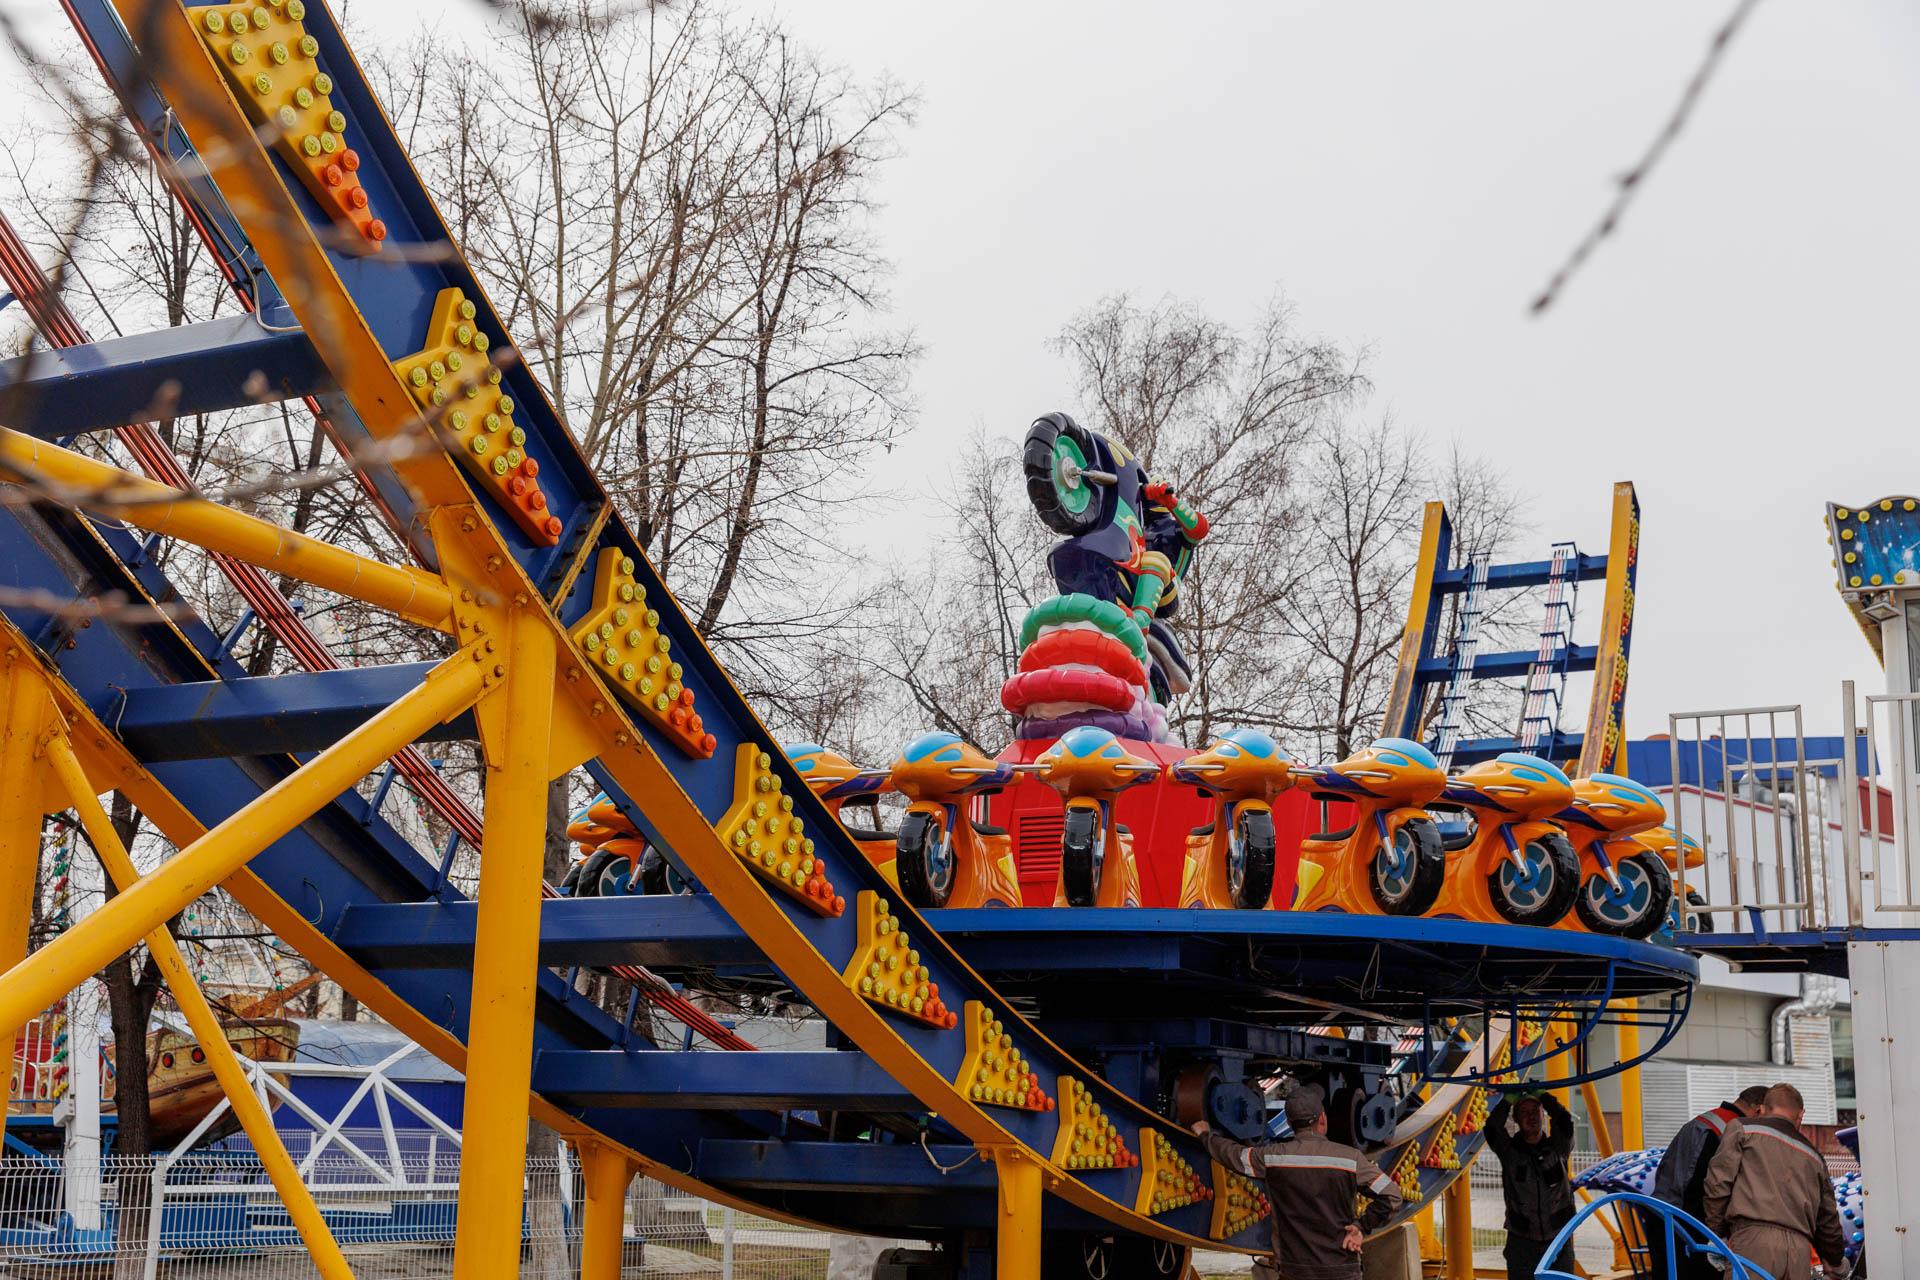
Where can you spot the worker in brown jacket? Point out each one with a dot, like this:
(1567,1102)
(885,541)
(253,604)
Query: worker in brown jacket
(1314,1185)
(1769,1195)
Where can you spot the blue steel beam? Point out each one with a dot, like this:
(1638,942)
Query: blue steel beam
(196,368)
(658,931)
(263,715)
(1510,665)
(1528,573)
(818,1080)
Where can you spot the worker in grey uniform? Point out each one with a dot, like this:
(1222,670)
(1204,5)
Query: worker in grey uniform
(1533,1177)
(1768,1193)
(1682,1177)
(1314,1185)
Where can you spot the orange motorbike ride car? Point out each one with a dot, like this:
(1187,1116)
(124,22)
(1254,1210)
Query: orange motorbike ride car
(1390,860)
(1677,852)
(1231,861)
(842,785)
(1625,889)
(942,856)
(614,858)
(1089,768)
(1513,863)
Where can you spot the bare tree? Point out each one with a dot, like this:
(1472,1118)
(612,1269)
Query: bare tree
(671,208)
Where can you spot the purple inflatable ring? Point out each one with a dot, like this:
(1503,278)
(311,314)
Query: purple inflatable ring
(1118,723)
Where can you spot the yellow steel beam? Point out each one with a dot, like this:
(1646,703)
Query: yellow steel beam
(606,1171)
(22,806)
(64,963)
(1633,1125)
(1401,714)
(205,1025)
(1017,1225)
(72,478)
(1459,1227)
(1559,1032)
(1597,1119)
(506,957)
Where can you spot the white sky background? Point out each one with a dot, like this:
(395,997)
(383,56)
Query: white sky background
(1409,174)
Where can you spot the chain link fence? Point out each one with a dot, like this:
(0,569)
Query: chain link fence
(213,1215)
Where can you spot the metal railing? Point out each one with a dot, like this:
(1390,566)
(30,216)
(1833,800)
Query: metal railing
(1793,840)
(1890,719)
(214,1216)
(1745,784)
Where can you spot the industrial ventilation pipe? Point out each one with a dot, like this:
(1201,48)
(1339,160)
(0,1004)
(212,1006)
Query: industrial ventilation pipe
(1818,994)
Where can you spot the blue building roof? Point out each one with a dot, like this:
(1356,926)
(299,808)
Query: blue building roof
(1650,760)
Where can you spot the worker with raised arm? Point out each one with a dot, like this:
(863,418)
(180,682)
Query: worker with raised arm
(1314,1185)
(1769,1195)
(1533,1177)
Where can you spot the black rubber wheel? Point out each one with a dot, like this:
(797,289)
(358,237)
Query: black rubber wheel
(1082,853)
(653,873)
(1548,888)
(1066,505)
(1250,859)
(1078,1255)
(598,875)
(1408,870)
(570,884)
(1638,909)
(1701,923)
(923,859)
(1139,1258)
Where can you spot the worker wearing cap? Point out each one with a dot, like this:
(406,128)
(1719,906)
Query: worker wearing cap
(1314,1185)
(1533,1177)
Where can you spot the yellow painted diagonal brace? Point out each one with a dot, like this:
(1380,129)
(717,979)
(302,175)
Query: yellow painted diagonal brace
(69,959)
(413,594)
(206,1028)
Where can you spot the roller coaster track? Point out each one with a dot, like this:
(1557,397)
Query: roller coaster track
(338,876)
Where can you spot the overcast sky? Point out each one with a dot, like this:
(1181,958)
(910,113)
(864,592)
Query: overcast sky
(1409,174)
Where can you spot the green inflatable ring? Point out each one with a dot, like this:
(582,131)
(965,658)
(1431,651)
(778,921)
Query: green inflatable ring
(1103,614)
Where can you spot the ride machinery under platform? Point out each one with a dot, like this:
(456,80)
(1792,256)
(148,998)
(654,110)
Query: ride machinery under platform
(1007,1083)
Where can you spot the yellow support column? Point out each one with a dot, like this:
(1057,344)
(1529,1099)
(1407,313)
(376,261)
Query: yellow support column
(1560,1031)
(22,806)
(606,1173)
(61,965)
(1633,1124)
(506,959)
(1459,1249)
(1017,1225)
(206,1028)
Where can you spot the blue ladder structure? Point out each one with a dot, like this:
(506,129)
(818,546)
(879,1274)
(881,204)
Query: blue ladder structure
(1415,711)
(1546,686)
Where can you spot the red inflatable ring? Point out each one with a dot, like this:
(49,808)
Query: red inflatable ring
(1095,688)
(1083,647)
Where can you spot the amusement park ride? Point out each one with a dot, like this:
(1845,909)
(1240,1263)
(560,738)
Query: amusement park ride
(1060,957)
